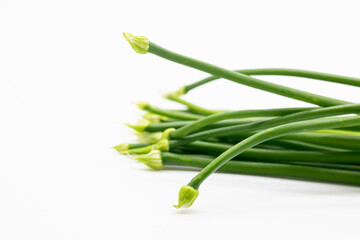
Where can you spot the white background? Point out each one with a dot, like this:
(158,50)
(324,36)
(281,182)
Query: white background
(67,82)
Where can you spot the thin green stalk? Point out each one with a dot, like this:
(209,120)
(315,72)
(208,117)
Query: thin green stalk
(351,142)
(192,107)
(188,194)
(126,146)
(157,160)
(338,131)
(200,123)
(142,45)
(332,165)
(231,130)
(195,160)
(283,72)
(168,113)
(156,127)
(286,129)
(279,155)
(331,140)
(298,145)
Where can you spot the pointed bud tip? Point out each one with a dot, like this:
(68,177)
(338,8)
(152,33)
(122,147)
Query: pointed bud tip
(121,147)
(140,127)
(140,150)
(181,91)
(152,159)
(187,196)
(139,43)
(149,137)
(154,118)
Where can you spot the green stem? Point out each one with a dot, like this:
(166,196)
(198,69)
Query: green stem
(185,130)
(192,107)
(286,129)
(244,79)
(292,171)
(351,142)
(171,114)
(231,130)
(156,127)
(284,72)
(331,140)
(299,145)
(279,155)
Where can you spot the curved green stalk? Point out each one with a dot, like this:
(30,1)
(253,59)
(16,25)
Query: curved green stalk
(192,107)
(283,72)
(185,130)
(244,79)
(286,129)
(279,155)
(299,145)
(350,142)
(309,125)
(330,174)
(231,130)
(188,194)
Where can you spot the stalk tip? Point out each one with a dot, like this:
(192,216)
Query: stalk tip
(140,127)
(163,143)
(152,159)
(140,150)
(187,196)
(121,147)
(154,118)
(149,137)
(181,91)
(139,43)
(142,105)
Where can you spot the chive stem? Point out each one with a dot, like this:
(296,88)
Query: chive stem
(244,79)
(283,72)
(286,129)
(231,130)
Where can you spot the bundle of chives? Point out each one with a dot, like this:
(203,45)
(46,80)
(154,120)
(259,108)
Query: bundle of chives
(318,144)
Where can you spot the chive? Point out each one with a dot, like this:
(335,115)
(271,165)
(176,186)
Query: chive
(299,145)
(290,128)
(283,72)
(126,146)
(241,78)
(155,127)
(307,143)
(183,131)
(332,165)
(231,130)
(279,155)
(192,107)
(331,140)
(168,113)
(188,195)
(337,131)
(195,160)
(351,142)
